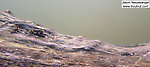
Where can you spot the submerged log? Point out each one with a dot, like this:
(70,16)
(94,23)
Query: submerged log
(25,43)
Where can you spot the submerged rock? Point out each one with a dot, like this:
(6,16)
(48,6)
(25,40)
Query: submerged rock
(25,43)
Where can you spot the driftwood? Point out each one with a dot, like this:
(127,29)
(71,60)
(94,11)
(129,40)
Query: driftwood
(25,43)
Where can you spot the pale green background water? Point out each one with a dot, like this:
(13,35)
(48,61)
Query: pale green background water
(95,19)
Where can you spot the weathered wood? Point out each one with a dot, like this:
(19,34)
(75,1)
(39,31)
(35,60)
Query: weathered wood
(25,43)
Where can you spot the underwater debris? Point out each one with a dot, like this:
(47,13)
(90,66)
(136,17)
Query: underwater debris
(30,44)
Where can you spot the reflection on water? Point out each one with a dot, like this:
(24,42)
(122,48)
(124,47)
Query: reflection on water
(95,19)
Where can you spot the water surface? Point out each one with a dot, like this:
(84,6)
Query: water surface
(95,19)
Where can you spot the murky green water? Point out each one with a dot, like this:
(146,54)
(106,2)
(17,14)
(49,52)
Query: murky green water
(95,19)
